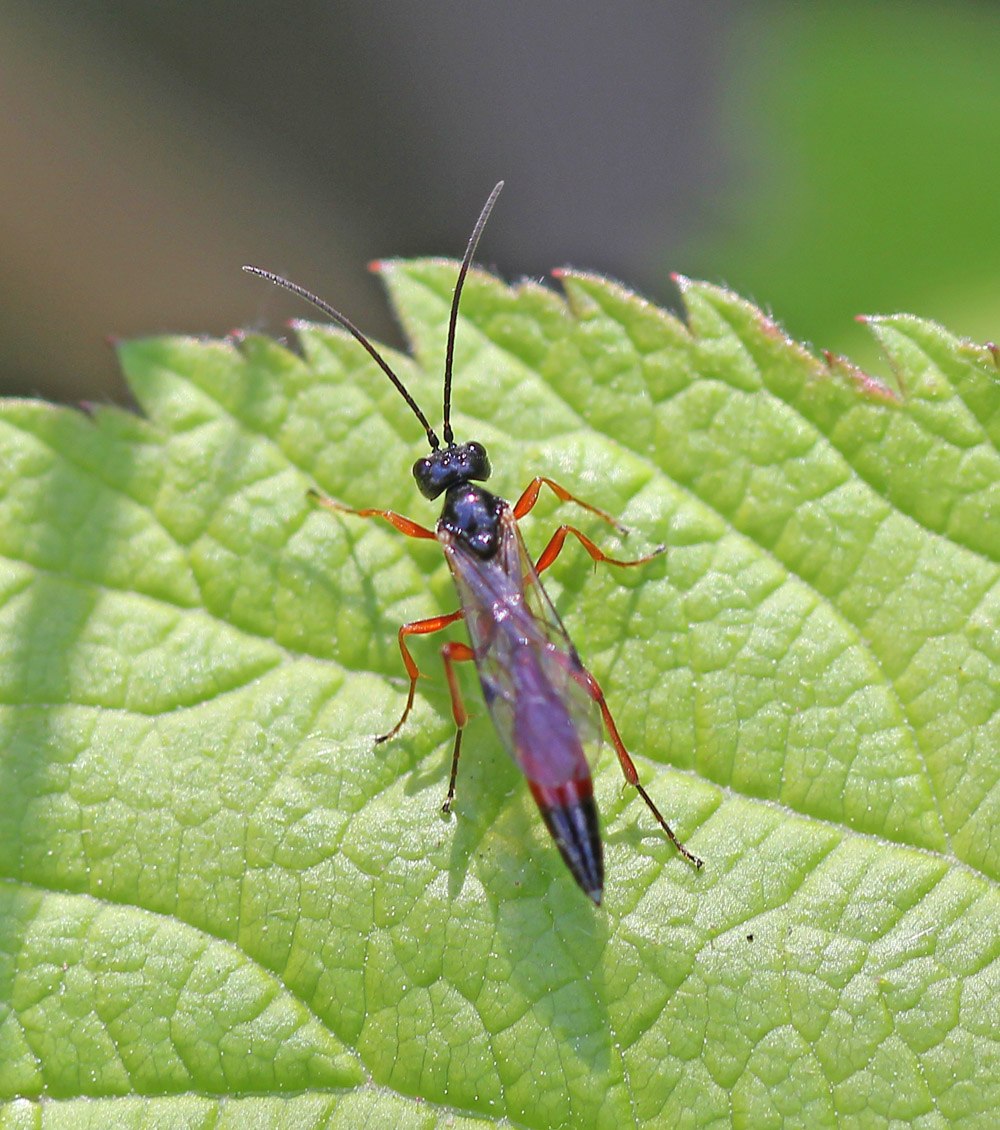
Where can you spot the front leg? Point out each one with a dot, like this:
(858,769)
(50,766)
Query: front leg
(416,627)
(404,525)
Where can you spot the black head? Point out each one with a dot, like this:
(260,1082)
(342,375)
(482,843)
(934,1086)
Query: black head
(455,464)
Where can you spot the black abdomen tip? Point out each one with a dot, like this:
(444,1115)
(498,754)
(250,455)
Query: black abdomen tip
(576,830)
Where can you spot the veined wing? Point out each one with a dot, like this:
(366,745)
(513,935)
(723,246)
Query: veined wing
(527,664)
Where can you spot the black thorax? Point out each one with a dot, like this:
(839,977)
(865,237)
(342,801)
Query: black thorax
(472,515)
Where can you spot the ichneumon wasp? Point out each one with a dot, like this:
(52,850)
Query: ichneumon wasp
(544,703)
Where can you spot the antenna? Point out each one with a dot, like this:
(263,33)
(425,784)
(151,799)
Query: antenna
(477,231)
(353,330)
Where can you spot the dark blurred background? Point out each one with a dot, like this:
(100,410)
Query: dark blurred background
(823,158)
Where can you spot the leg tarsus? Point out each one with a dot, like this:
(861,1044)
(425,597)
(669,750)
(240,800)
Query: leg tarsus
(446,807)
(597,555)
(389,734)
(451,654)
(688,855)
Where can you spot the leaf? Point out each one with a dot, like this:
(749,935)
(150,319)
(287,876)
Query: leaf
(221,903)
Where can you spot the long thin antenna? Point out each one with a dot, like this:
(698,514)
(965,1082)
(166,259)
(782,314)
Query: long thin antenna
(353,330)
(477,231)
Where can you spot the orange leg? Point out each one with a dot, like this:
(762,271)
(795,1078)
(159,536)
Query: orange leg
(417,628)
(530,497)
(453,653)
(404,525)
(590,685)
(554,548)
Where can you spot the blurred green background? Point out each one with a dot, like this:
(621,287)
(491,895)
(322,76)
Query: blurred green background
(826,159)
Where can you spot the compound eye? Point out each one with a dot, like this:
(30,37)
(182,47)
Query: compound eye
(424,473)
(479,461)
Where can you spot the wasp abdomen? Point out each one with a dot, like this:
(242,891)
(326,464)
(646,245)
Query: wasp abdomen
(570,814)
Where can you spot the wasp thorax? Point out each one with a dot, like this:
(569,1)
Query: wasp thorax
(457,463)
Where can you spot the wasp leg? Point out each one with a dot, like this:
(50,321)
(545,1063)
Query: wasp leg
(554,548)
(530,497)
(453,653)
(591,686)
(404,525)
(416,628)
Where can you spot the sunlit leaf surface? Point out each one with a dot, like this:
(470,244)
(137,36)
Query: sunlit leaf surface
(221,905)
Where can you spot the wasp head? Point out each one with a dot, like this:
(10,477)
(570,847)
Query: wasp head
(454,464)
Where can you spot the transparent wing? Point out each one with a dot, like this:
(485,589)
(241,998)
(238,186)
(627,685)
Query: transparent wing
(527,664)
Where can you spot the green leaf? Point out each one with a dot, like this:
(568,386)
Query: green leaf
(222,904)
